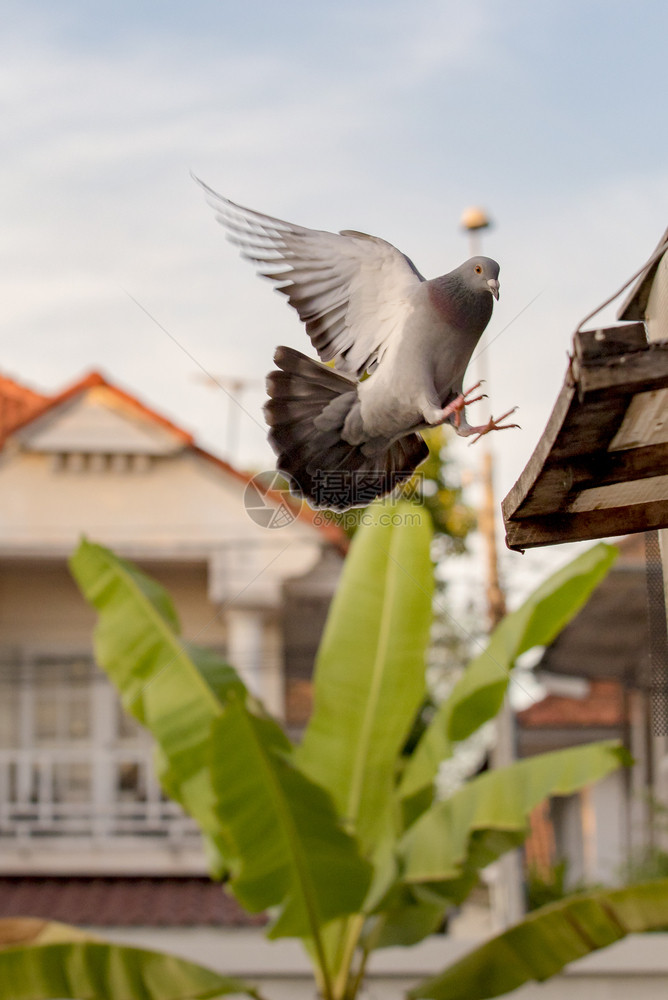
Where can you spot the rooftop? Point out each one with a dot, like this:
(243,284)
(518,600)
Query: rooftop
(123,902)
(18,403)
(22,408)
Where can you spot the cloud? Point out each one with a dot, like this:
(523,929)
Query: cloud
(359,117)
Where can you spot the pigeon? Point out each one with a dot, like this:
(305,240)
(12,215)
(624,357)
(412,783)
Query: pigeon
(400,344)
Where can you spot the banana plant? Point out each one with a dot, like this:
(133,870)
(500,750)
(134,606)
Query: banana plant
(341,837)
(45,959)
(549,939)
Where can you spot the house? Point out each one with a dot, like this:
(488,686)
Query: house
(78,795)
(596,675)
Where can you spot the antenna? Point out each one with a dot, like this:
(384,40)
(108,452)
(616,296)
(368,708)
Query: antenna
(235,386)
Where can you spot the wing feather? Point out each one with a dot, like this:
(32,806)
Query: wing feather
(352,291)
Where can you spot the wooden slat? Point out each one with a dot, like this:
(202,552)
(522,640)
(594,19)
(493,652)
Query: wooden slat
(614,496)
(532,470)
(592,345)
(613,467)
(555,529)
(645,421)
(559,483)
(570,434)
(625,374)
(587,431)
(601,466)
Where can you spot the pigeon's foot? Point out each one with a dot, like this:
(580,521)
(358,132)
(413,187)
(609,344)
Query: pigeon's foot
(491,425)
(457,406)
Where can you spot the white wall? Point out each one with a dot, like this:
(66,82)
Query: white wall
(636,966)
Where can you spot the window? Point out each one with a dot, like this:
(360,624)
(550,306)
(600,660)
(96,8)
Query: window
(72,763)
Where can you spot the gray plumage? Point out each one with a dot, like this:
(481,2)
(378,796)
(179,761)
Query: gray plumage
(366,307)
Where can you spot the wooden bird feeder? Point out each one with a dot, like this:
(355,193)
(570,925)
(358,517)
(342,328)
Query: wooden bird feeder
(601,465)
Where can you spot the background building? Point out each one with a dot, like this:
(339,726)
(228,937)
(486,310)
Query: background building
(81,813)
(597,676)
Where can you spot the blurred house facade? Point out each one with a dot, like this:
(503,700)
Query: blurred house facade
(85,834)
(597,677)
(78,795)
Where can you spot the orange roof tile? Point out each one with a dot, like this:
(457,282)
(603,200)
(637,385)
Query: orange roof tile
(92,381)
(18,403)
(604,706)
(123,901)
(32,404)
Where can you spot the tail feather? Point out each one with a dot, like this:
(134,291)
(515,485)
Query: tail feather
(285,413)
(327,470)
(285,386)
(296,436)
(295,363)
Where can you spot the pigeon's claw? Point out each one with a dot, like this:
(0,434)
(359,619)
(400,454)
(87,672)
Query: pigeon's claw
(492,425)
(457,405)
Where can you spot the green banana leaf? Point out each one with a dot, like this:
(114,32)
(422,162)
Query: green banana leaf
(406,916)
(292,851)
(40,960)
(443,852)
(479,693)
(548,939)
(369,679)
(173,688)
(489,814)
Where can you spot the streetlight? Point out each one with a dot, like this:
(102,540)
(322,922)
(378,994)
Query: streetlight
(509,905)
(473,221)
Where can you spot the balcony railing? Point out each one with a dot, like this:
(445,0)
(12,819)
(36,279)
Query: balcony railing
(87,793)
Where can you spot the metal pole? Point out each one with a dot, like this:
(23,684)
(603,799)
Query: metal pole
(509,897)
(474,220)
(235,387)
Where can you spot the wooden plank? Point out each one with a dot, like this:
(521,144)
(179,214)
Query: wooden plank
(618,494)
(555,529)
(546,480)
(645,421)
(613,467)
(571,431)
(592,345)
(625,374)
(534,466)
(601,466)
(549,492)
(588,429)
(558,484)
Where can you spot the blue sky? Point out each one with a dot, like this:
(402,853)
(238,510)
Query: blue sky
(382,116)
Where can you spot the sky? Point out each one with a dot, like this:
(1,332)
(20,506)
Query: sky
(376,115)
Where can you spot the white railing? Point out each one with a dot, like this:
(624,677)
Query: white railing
(84,792)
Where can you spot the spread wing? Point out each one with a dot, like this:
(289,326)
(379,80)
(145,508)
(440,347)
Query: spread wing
(352,291)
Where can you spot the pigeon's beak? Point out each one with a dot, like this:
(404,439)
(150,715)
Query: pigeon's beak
(493,286)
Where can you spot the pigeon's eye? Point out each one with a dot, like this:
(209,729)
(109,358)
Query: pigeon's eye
(478,269)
